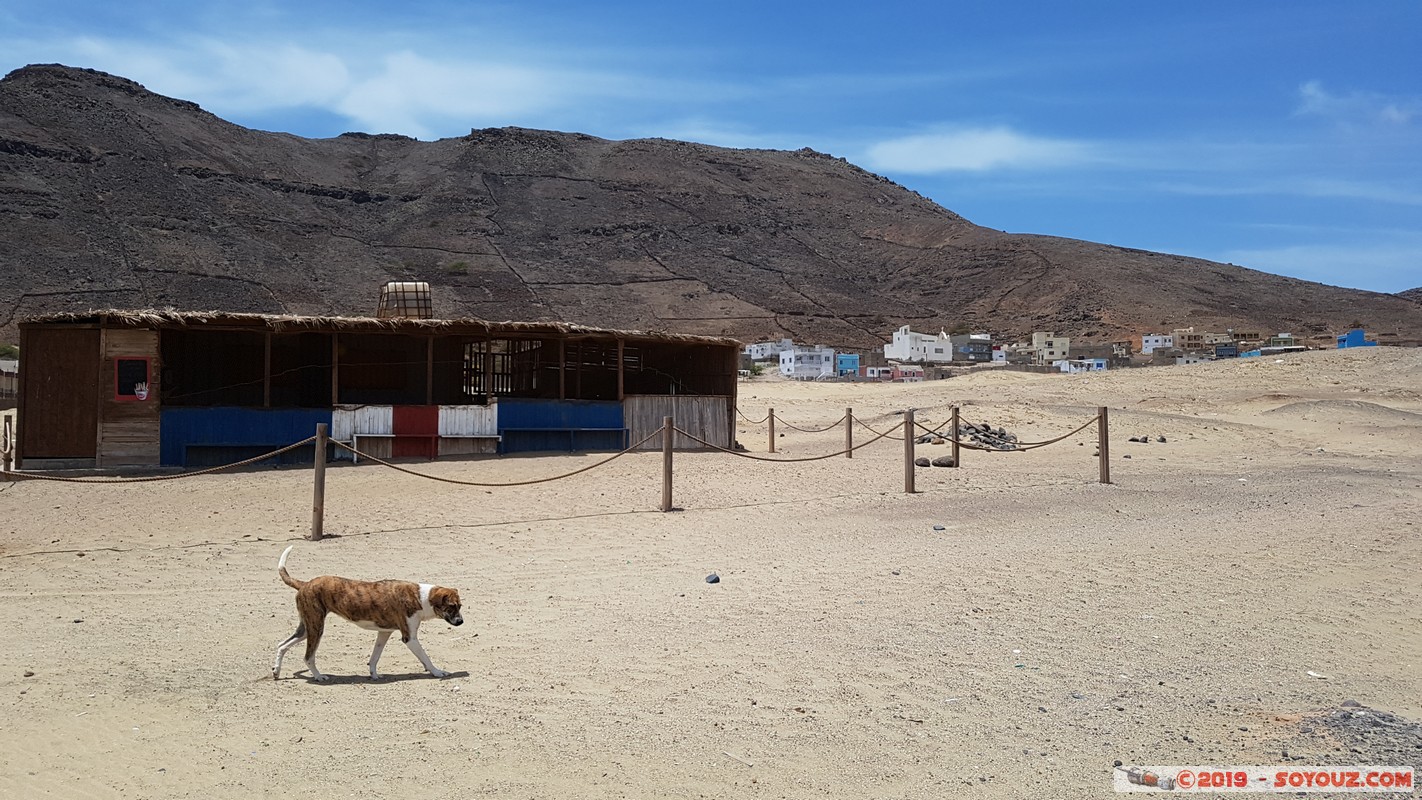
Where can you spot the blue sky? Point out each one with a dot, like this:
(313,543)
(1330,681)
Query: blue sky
(1282,135)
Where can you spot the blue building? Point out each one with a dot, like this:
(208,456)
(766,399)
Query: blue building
(846,364)
(1355,338)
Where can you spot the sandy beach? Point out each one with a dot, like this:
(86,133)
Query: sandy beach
(1010,630)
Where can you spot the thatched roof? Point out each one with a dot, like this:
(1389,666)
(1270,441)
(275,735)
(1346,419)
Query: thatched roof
(172,318)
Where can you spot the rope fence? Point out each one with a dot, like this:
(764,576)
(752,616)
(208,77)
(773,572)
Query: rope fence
(667,431)
(649,437)
(754,457)
(11,475)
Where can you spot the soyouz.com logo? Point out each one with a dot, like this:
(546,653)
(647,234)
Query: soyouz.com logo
(1370,779)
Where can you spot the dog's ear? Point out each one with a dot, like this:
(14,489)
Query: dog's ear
(441,597)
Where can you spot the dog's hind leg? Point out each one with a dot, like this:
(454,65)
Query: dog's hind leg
(380,640)
(314,628)
(285,646)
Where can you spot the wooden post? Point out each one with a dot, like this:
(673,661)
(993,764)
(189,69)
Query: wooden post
(771,417)
(318,504)
(429,372)
(621,378)
(7,448)
(562,369)
(849,433)
(578,374)
(908,451)
(489,371)
(954,438)
(1103,444)
(667,435)
(267,371)
(335,370)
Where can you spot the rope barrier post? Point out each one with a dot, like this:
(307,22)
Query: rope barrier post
(954,438)
(771,417)
(667,435)
(908,451)
(8,449)
(849,433)
(318,504)
(1103,443)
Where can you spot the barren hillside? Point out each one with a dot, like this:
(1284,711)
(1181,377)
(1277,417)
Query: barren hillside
(113,196)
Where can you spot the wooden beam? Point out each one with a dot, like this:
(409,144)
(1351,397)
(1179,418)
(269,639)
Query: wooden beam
(621,393)
(578,373)
(335,369)
(266,370)
(489,371)
(563,369)
(429,371)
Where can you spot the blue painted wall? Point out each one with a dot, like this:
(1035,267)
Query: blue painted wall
(539,425)
(213,436)
(846,363)
(1355,338)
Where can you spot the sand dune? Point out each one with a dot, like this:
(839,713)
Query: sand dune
(851,649)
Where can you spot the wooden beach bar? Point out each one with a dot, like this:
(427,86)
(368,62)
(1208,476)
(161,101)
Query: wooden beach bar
(173,388)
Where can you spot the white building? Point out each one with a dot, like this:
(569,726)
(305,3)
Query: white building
(1075,365)
(764,351)
(1156,341)
(910,346)
(807,363)
(1192,358)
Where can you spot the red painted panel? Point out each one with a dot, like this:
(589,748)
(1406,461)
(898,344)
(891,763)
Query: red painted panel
(421,425)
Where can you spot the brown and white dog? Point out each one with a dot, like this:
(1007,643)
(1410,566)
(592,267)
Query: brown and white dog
(383,606)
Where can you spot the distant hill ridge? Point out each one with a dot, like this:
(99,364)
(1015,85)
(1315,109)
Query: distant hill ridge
(113,196)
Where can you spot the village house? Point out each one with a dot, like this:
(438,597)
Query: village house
(1191,358)
(908,373)
(846,364)
(804,362)
(1188,339)
(922,347)
(882,372)
(9,382)
(1115,354)
(1075,365)
(1048,348)
(1355,338)
(767,351)
(1154,341)
(974,348)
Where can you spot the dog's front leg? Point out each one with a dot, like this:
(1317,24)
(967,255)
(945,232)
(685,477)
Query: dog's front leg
(380,641)
(413,627)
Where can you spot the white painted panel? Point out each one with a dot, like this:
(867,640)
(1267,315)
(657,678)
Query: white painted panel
(347,421)
(469,420)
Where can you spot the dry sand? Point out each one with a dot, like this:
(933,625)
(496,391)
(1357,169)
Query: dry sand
(1053,626)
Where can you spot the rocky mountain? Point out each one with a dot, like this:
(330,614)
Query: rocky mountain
(112,196)
(1415,295)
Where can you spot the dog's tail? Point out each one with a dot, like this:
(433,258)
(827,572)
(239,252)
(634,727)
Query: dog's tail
(285,576)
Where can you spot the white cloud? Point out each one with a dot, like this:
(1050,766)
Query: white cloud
(412,95)
(1356,108)
(1318,188)
(978,150)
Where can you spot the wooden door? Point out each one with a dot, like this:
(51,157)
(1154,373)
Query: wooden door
(60,382)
